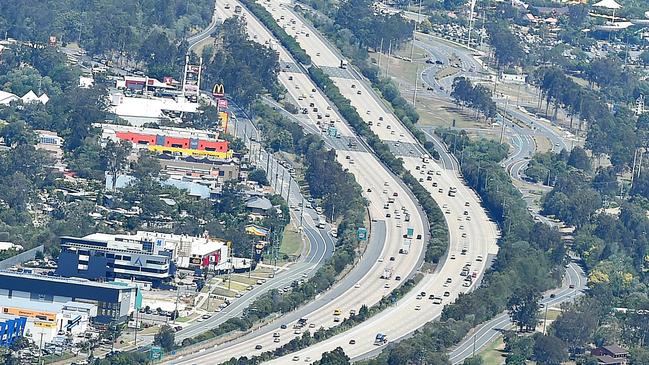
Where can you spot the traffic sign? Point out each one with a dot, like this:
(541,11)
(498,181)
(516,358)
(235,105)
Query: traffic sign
(361,234)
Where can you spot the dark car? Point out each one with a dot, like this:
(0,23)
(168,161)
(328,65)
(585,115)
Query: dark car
(283,327)
(258,347)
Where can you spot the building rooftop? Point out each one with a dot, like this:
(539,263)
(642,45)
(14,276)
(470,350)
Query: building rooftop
(259,203)
(56,279)
(607,360)
(151,108)
(615,349)
(54,307)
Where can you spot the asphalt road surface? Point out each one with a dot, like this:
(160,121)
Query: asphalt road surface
(404,317)
(362,286)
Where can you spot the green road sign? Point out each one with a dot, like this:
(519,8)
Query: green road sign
(361,234)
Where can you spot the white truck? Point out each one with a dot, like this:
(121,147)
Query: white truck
(321,222)
(405,248)
(387,273)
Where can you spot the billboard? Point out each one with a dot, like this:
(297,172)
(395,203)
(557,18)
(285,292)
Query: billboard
(224,116)
(218,91)
(223,104)
(211,258)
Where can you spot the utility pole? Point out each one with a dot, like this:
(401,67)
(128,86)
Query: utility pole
(281,185)
(545,317)
(414,92)
(288,192)
(471,7)
(474,339)
(380,53)
(252,248)
(137,314)
(40,349)
(387,66)
(302,212)
(178,296)
(502,131)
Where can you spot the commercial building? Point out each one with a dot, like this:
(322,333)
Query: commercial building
(32,293)
(11,328)
(224,170)
(145,256)
(171,141)
(46,320)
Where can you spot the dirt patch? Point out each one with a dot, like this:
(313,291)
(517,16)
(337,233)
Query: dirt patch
(542,144)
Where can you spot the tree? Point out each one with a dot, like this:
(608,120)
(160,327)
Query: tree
(475,360)
(335,357)
(579,159)
(574,327)
(259,176)
(17,133)
(147,166)
(549,350)
(115,155)
(523,308)
(165,338)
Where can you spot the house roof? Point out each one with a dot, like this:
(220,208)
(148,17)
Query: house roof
(609,4)
(615,349)
(259,203)
(6,98)
(607,360)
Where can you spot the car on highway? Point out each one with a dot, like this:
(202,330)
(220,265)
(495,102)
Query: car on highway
(437,300)
(258,347)
(447,294)
(386,286)
(296,358)
(418,308)
(276,334)
(311,325)
(276,340)
(283,326)
(397,278)
(479,258)
(352,342)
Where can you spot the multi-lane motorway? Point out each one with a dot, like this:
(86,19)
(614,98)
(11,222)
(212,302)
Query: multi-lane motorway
(362,285)
(472,235)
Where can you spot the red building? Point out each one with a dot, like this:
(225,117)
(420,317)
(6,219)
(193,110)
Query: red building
(174,142)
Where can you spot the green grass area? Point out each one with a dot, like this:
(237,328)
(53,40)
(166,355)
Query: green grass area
(291,242)
(493,354)
(47,359)
(187,319)
(224,292)
(244,279)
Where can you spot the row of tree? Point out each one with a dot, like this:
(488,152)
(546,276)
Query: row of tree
(477,97)
(245,67)
(103,27)
(615,133)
